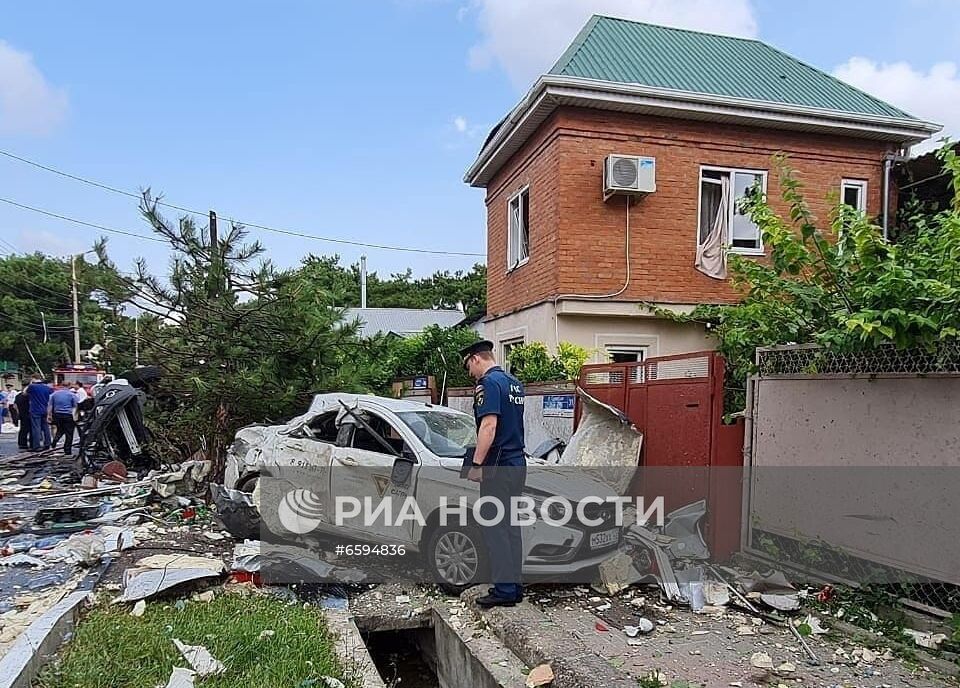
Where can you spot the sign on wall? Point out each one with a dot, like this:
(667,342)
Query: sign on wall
(558,405)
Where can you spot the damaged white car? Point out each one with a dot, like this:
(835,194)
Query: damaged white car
(363,439)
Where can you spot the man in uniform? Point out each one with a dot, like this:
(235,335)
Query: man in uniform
(499,465)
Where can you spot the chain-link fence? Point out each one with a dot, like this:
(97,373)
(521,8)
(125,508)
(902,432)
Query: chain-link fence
(825,562)
(780,369)
(943,359)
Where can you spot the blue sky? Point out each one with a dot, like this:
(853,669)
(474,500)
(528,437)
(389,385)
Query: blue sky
(351,120)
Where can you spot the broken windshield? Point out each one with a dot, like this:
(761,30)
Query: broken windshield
(445,434)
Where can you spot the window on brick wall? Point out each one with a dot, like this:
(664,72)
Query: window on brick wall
(853,192)
(743,235)
(518,229)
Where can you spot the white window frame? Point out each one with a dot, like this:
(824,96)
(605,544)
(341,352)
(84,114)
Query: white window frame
(641,351)
(861,186)
(505,346)
(513,243)
(759,251)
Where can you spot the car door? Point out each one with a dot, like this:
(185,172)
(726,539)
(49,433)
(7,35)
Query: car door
(363,469)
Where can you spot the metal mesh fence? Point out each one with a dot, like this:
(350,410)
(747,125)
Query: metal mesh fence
(819,557)
(886,360)
(806,360)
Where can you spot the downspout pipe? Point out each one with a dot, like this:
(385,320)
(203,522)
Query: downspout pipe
(887,165)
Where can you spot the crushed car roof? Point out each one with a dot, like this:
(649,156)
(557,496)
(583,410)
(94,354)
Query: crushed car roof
(321,401)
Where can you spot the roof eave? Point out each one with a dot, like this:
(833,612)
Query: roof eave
(552,91)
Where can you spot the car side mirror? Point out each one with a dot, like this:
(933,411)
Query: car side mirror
(402,468)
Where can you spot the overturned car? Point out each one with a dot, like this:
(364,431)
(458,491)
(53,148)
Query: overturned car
(366,447)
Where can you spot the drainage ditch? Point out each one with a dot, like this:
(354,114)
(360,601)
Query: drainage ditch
(405,657)
(428,652)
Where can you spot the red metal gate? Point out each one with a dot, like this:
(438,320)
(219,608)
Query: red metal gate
(677,403)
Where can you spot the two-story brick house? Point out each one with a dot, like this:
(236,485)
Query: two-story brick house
(705,114)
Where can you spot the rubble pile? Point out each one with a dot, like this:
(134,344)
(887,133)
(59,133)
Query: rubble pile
(56,528)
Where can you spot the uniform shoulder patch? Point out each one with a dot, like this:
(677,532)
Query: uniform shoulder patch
(478,395)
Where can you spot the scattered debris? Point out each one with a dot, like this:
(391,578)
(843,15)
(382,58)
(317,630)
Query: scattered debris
(783,603)
(616,574)
(786,668)
(21,559)
(600,627)
(139,608)
(761,660)
(332,682)
(931,641)
(813,625)
(771,581)
(541,675)
(160,572)
(203,663)
(402,599)
(716,593)
(266,634)
(180,678)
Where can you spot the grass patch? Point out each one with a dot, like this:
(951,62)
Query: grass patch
(113,649)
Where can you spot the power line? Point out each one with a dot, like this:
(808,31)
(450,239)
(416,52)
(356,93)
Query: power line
(80,222)
(24,278)
(267,228)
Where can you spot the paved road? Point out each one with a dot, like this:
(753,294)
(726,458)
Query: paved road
(8,441)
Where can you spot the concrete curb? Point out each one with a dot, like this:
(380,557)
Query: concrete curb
(40,642)
(521,630)
(351,648)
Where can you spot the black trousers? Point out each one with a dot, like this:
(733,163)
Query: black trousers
(23,436)
(504,541)
(65,426)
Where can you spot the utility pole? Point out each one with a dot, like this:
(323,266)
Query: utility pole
(213,290)
(213,232)
(363,281)
(76,311)
(136,342)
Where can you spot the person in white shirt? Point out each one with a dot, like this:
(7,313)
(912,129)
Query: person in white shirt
(80,392)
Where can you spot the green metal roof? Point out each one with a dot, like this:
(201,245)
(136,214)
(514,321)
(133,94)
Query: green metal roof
(619,50)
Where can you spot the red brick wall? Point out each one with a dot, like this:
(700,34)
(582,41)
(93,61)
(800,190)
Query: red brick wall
(577,240)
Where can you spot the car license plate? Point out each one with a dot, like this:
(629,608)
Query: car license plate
(604,538)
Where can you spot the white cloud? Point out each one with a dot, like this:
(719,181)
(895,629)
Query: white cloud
(932,95)
(28,103)
(49,243)
(525,37)
(460,124)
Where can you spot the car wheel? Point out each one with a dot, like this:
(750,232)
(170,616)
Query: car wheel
(457,558)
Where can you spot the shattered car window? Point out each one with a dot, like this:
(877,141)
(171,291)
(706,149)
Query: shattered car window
(445,434)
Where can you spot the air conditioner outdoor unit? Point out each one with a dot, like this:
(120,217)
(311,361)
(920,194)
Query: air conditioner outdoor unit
(629,174)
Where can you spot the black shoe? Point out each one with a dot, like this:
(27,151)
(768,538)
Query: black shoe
(495,601)
(492,592)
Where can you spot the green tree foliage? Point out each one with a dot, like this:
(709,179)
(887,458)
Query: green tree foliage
(36,308)
(238,341)
(533,362)
(846,289)
(400,290)
(381,360)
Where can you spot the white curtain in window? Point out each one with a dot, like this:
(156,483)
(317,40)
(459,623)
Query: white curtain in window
(711,252)
(514,234)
